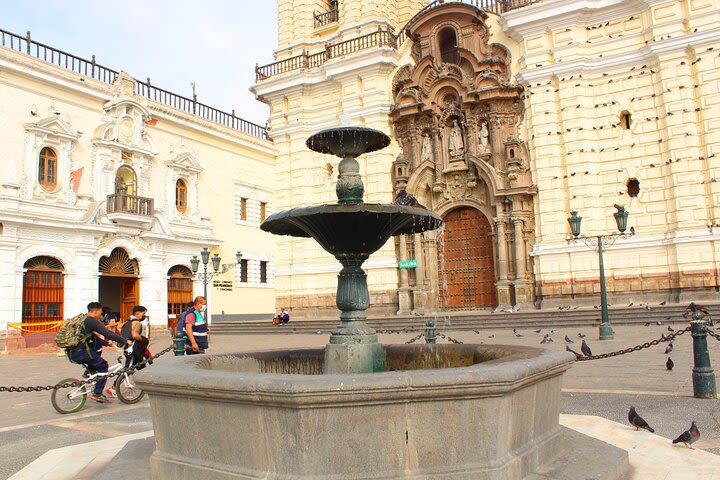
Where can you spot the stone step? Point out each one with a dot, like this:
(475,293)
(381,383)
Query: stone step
(475,320)
(131,462)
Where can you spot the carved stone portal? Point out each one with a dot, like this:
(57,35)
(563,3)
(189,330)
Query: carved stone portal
(456,116)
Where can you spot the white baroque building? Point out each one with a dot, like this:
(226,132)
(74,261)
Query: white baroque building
(109,186)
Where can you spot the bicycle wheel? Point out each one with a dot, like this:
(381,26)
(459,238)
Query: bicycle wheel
(127,391)
(68,399)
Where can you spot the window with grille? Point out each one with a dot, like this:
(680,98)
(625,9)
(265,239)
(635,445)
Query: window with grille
(243,271)
(47,168)
(181,195)
(243,208)
(263,272)
(263,211)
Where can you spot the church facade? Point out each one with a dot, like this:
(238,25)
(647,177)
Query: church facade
(110,186)
(505,117)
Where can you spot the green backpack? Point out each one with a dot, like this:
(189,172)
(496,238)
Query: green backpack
(72,333)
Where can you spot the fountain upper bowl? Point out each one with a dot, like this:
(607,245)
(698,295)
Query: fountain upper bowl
(348,141)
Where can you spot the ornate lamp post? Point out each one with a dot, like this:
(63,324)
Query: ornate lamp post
(599,243)
(206,276)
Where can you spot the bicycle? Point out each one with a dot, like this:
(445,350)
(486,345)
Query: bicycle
(72,399)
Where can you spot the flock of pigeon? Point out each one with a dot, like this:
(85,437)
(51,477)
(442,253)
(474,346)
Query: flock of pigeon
(688,437)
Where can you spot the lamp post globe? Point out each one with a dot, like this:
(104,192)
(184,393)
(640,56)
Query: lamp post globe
(194,263)
(238,256)
(621,218)
(216,262)
(205,254)
(574,220)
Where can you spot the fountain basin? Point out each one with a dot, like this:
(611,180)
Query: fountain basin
(351,228)
(444,411)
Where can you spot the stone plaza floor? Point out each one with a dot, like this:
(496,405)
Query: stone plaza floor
(606,388)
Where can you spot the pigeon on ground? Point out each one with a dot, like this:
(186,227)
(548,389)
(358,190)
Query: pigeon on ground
(670,329)
(538,330)
(595,307)
(552,331)
(669,349)
(669,364)
(518,335)
(658,322)
(585,349)
(631,304)
(515,331)
(663,302)
(477,331)
(491,336)
(647,307)
(688,437)
(637,421)
(547,339)
(647,324)
(567,339)
(577,355)
(406,199)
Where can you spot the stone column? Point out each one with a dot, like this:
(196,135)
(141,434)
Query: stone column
(433,273)
(502,285)
(437,155)
(523,287)
(404,298)
(420,292)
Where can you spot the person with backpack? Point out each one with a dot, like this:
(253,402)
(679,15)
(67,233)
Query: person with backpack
(78,335)
(195,327)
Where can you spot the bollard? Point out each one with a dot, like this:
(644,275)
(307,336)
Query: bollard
(179,344)
(430,336)
(703,376)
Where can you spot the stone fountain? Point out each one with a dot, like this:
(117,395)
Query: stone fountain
(357,409)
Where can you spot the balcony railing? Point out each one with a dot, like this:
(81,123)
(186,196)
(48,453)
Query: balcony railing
(132,204)
(379,38)
(92,69)
(325,18)
(375,39)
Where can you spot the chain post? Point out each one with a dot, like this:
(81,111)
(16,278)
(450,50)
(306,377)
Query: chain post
(430,336)
(702,374)
(179,344)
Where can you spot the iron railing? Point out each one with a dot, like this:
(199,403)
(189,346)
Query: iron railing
(380,38)
(325,18)
(92,69)
(122,203)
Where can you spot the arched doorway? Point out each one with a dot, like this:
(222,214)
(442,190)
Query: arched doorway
(119,286)
(466,263)
(179,291)
(43,294)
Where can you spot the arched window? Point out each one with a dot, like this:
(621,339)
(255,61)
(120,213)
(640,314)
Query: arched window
(181,195)
(47,168)
(625,120)
(125,181)
(43,294)
(448,45)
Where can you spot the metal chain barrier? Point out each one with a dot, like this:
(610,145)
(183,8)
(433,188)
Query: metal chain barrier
(636,348)
(415,339)
(131,369)
(449,338)
(713,334)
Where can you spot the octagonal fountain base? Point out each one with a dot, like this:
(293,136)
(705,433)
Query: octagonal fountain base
(439,412)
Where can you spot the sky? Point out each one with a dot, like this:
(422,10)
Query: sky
(214,43)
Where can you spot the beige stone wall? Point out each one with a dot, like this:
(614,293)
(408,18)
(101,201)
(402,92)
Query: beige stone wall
(659,62)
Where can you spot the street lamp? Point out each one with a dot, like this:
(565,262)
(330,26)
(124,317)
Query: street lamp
(206,276)
(600,243)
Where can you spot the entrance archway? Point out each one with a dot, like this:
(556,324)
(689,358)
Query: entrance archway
(179,291)
(119,285)
(467,266)
(43,294)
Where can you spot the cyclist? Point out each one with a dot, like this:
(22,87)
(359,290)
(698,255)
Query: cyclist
(132,332)
(87,355)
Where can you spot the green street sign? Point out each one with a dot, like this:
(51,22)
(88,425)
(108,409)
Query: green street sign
(408,264)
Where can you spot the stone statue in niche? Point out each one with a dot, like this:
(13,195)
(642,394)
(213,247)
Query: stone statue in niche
(484,139)
(426,149)
(456,145)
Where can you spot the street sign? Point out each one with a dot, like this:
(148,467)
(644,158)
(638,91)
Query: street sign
(408,264)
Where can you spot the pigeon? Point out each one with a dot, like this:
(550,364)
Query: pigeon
(491,336)
(518,335)
(567,339)
(577,355)
(631,304)
(515,331)
(406,199)
(552,331)
(632,230)
(547,339)
(663,302)
(637,421)
(538,330)
(581,335)
(477,331)
(658,322)
(647,324)
(585,349)
(669,349)
(595,307)
(647,307)
(670,329)
(688,437)
(669,364)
